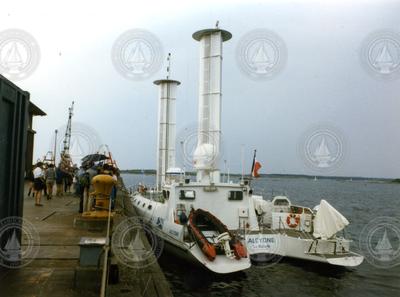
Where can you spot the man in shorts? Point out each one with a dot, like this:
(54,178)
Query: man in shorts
(50,180)
(59,181)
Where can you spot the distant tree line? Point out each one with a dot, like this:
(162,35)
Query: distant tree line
(153,172)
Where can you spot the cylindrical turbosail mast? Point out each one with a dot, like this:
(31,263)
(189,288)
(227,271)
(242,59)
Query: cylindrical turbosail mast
(166,128)
(206,154)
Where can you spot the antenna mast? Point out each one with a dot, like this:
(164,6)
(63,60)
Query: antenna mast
(67,137)
(169,65)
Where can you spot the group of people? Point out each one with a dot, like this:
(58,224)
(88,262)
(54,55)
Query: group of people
(45,176)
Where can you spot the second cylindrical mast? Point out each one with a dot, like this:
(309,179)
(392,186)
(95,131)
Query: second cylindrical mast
(166,128)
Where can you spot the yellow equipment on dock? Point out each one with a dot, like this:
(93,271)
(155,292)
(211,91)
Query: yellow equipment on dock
(102,184)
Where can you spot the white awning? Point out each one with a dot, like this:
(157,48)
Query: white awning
(328,221)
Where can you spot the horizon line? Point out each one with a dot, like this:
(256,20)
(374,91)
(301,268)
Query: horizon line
(284,174)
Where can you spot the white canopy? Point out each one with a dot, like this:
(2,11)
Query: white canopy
(328,221)
(262,206)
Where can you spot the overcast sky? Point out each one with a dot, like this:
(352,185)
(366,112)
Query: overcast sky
(322,81)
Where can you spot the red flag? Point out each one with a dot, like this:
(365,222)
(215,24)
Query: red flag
(255,166)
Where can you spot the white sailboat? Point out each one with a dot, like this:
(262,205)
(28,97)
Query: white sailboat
(210,221)
(198,219)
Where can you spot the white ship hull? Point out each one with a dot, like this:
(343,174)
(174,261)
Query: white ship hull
(293,231)
(205,219)
(220,265)
(270,247)
(173,235)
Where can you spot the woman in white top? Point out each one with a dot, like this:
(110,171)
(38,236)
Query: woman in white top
(38,184)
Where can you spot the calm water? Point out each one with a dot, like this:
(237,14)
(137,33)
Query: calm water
(359,201)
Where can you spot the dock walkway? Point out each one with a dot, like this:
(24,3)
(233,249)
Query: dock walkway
(52,271)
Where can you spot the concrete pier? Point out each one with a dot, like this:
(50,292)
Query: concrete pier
(52,272)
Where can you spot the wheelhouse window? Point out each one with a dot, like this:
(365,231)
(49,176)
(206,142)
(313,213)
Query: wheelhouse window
(296,209)
(165,194)
(235,195)
(187,194)
(308,211)
(281,202)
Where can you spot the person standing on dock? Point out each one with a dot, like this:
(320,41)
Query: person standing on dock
(92,171)
(59,181)
(75,182)
(44,168)
(50,179)
(31,180)
(82,186)
(67,181)
(39,184)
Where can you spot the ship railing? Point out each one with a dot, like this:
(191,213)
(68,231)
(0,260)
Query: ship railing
(268,194)
(154,195)
(281,223)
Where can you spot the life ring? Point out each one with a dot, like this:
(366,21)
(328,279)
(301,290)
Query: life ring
(293,220)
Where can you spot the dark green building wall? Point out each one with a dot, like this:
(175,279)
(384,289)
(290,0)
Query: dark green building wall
(14,115)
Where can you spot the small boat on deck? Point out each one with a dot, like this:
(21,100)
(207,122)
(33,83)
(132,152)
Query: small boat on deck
(213,237)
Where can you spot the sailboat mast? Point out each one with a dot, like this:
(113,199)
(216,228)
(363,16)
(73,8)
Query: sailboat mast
(210,95)
(166,126)
(252,165)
